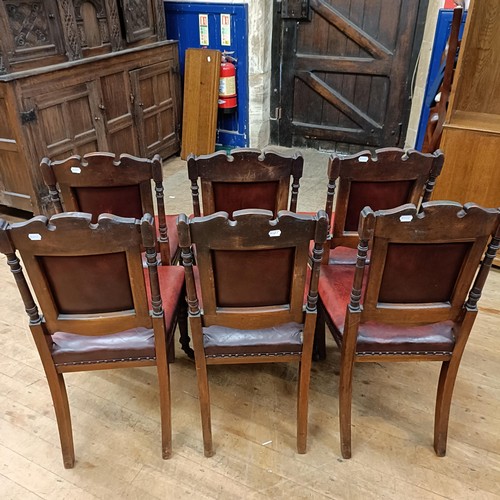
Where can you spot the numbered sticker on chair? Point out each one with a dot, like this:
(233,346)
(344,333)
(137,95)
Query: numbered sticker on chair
(363,159)
(34,236)
(76,170)
(406,218)
(275,233)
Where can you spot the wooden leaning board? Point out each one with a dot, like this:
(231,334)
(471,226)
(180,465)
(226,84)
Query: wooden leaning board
(201,91)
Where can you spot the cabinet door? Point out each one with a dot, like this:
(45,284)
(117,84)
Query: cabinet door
(32,29)
(67,122)
(139,19)
(15,180)
(116,108)
(153,89)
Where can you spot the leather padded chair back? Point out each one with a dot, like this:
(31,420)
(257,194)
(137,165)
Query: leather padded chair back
(244,179)
(423,264)
(387,179)
(100,183)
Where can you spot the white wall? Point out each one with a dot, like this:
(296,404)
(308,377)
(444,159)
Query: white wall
(260,28)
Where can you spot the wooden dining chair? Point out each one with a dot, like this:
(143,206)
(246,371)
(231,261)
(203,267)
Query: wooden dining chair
(98,312)
(386,179)
(252,297)
(100,183)
(246,178)
(417,301)
(446,73)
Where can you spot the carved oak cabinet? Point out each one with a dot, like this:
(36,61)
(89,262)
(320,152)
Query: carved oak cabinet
(79,76)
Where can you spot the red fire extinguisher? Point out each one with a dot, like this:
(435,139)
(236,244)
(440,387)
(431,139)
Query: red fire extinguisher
(227,84)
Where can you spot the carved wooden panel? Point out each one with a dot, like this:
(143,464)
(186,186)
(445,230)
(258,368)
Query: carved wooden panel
(92,22)
(32,29)
(139,19)
(38,33)
(71,38)
(115,31)
(161,27)
(3,62)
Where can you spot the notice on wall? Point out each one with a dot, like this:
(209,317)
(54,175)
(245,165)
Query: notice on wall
(203,25)
(225,29)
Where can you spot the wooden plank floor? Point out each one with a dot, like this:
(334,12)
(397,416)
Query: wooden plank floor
(116,422)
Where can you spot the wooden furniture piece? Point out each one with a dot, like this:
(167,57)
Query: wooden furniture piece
(35,34)
(416,302)
(247,298)
(79,76)
(471,134)
(97,311)
(100,183)
(386,179)
(247,178)
(201,94)
(437,113)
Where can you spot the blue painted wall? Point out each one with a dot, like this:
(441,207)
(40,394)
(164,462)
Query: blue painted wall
(443,28)
(183,25)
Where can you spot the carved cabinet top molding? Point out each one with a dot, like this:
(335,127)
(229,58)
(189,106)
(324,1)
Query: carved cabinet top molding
(35,33)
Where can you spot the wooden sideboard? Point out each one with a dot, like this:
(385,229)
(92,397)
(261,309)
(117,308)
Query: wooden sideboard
(471,134)
(80,76)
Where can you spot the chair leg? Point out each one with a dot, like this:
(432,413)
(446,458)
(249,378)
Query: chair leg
(304,382)
(162,367)
(447,377)
(345,382)
(63,417)
(319,348)
(184,339)
(205,410)
(171,343)
(303,404)
(203,390)
(165,408)
(345,404)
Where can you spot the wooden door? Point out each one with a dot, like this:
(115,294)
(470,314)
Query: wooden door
(344,72)
(67,121)
(153,92)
